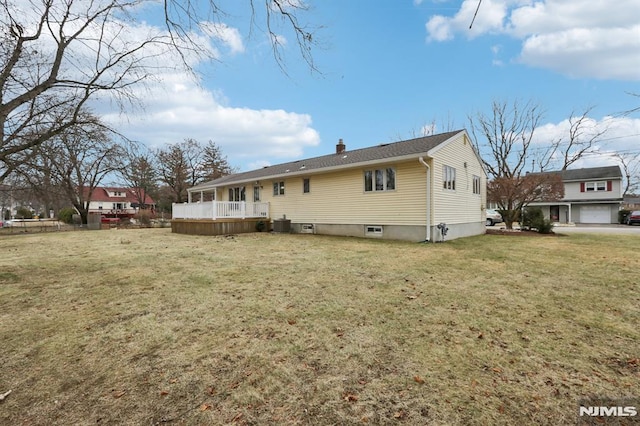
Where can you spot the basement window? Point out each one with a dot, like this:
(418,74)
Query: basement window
(373,231)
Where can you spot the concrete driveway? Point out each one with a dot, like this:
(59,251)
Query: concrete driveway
(586,229)
(599,229)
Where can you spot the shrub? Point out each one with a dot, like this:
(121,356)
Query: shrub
(622,215)
(533,218)
(24,213)
(545,226)
(66,215)
(260,225)
(144,217)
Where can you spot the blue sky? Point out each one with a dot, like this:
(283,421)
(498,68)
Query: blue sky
(388,68)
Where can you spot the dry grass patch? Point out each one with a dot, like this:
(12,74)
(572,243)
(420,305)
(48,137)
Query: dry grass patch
(149,327)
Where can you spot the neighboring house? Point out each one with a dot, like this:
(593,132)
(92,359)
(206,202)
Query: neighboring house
(119,202)
(631,202)
(400,190)
(591,195)
(8,204)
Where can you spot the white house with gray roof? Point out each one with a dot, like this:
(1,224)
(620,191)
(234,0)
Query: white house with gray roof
(400,190)
(591,195)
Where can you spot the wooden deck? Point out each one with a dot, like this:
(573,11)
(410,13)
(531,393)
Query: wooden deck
(218,226)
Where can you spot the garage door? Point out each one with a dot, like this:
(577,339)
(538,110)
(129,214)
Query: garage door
(595,214)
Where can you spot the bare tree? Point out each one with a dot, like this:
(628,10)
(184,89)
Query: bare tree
(75,162)
(513,194)
(58,55)
(505,137)
(632,110)
(630,164)
(582,135)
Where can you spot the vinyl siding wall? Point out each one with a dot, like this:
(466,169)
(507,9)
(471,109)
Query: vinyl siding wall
(572,191)
(340,198)
(461,205)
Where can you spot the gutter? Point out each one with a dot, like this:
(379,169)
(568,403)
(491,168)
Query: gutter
(428,221)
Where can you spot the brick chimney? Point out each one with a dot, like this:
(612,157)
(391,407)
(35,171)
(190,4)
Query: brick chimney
(340,147)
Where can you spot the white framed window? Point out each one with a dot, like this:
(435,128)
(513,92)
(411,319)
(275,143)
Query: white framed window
(380,180)
(306,188)
(448,178)
(476,184)
(256,193)
(596,186)
(278,188)
(237,194)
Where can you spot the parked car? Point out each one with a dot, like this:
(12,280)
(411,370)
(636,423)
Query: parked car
(493,217)
(634,217)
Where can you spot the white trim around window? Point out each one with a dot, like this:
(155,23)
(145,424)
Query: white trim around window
(278,188)
(380,180)
(448,178)
(476,184)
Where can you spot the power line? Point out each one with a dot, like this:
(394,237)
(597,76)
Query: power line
(474,15)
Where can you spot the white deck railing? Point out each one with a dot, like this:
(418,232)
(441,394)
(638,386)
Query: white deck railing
(220,210)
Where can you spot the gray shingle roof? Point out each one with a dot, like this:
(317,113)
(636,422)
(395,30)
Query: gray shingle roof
(588,173)
(380,152)
(606,172)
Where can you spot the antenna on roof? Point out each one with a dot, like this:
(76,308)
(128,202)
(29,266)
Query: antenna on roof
(475,14)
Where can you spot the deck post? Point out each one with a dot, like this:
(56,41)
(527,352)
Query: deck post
(244,209)
(215,210)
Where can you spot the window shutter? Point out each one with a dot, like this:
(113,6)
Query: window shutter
(609,185)
(581,186)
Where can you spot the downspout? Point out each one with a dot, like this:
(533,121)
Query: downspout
(428,236)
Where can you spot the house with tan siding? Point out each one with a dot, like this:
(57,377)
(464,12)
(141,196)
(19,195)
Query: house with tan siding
(399,190)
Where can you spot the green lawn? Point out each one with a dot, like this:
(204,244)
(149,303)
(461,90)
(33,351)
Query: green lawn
(148,327)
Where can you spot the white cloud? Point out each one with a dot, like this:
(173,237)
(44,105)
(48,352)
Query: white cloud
(227,35)
(580,52)
(179,109)
(622,135)
(490,19)
(593,39)
(175,106)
